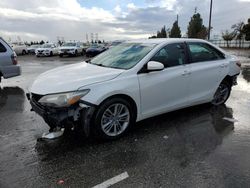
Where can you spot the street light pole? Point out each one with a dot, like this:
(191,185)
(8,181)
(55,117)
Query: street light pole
(210,15)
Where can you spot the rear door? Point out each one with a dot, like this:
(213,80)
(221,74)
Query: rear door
(165,90)
(208,67)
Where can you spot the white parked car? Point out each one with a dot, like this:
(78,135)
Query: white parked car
(19,48)
(71,48)
(32,49)
(48,49)
(131,82)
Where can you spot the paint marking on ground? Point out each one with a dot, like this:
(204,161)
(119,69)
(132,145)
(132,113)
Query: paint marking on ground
(230,119)
(112,181)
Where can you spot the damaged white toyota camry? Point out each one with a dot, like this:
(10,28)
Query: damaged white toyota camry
(131,82)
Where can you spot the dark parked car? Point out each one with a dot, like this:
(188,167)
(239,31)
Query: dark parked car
(94,50)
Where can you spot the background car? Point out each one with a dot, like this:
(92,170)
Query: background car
(32,49)
(8,61)
(19,48)
(48,49)
(95,49)
(71,49)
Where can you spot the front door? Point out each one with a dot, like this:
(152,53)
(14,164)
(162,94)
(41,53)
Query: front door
(165,90)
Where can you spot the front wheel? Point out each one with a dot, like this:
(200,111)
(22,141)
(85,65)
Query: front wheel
(222,93)
(113,118)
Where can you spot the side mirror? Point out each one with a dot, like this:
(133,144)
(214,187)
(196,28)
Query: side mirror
(154,66)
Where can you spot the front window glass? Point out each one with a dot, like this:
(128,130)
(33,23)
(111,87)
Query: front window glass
(69,44)
(171,55)
(47,46)
(123,56)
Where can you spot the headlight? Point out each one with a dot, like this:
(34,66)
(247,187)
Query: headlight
(63,99)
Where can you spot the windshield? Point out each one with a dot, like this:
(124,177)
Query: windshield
(69,44)
(47,45)
(123,56)
(94,46)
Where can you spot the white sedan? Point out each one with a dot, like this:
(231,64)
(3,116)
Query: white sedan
(131,82)
(48,49)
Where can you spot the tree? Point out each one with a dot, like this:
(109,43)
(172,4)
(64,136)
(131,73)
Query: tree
(239,32)
(175,32)
(228,36)
(246,30)
(161,34)
(196,29)
(41,42)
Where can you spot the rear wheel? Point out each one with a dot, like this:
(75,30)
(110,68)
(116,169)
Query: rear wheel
(222,93)
(113,119)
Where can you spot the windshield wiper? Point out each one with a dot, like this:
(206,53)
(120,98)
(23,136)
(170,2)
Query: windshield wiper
(101,65)
(88,61)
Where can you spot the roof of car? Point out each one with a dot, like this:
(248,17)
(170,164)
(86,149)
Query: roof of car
(164,40)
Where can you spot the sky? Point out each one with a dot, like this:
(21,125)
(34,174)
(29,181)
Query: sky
(111,19)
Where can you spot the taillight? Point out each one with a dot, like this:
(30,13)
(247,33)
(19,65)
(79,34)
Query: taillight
(238,64)
(14,59)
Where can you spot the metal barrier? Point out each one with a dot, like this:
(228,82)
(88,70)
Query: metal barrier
(231,44)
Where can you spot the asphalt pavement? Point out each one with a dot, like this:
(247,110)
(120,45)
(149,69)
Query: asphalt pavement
(201,146)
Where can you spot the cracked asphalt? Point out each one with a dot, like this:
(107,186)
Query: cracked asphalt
(193,147)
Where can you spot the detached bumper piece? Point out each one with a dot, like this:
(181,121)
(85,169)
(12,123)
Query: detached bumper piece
(78,114)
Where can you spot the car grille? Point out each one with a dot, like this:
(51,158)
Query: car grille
(40,50)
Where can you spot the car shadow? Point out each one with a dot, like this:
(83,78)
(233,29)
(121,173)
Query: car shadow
(201,127)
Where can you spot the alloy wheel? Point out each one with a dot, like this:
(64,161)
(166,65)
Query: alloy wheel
(221,94)
(115,119)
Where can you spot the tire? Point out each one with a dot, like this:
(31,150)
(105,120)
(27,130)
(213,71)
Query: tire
(222,93)
(76,52)
(60,55)
(115,127)
(51,54)
(23,52)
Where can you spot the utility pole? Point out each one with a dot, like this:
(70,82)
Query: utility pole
(210,15)
(177,19)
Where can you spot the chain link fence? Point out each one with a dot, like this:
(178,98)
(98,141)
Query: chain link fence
(232,44)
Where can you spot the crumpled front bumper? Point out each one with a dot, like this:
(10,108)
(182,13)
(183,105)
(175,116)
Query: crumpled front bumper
(78,114)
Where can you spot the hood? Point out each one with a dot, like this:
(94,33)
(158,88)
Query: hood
(43,49)
(71,78)
(93,49)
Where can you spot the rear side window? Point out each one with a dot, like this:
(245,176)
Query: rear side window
(200,52)
(171,55)
(2,48)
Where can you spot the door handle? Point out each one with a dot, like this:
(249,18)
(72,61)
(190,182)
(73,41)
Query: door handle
(186,73)
(223,65)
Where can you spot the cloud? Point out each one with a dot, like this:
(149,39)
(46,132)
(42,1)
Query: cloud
(48,19)
(131,6)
